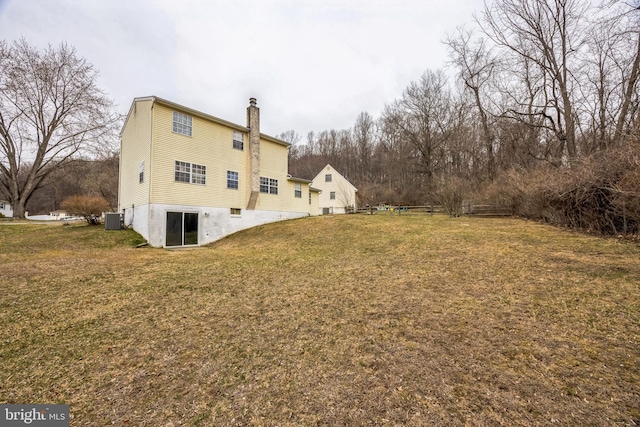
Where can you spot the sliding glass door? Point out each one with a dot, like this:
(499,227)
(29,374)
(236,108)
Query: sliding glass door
(182,228)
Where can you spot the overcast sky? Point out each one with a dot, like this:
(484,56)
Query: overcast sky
(313,65)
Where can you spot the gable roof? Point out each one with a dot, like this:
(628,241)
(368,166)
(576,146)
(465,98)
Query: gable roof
(323,171)
(196,113)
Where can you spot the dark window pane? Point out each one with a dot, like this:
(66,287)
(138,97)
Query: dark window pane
(190,228)
(174,228)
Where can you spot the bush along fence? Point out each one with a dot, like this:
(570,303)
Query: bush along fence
(602,216)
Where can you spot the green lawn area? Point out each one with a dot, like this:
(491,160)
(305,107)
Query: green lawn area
(349,320)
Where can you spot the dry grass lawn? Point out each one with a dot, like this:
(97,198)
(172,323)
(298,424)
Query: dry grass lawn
(330,321)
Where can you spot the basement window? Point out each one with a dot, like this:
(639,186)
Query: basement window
(236,211)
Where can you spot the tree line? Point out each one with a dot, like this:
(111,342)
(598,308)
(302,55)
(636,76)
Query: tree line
(542,117)
(84,177)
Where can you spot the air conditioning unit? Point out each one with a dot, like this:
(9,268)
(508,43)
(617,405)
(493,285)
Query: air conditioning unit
(113,221)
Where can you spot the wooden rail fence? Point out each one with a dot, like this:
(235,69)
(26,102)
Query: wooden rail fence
(466,209)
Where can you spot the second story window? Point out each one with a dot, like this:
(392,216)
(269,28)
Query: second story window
(238,140)
(298,190)
(190,173)
(268,185)
(332,195)
(232,179)
(327,178)
(198,174)
(182,123)
(182,172)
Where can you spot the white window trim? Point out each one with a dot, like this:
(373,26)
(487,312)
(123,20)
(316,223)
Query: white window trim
(236,141)
(192,172)
(237,180)
(182,124)
(270,184)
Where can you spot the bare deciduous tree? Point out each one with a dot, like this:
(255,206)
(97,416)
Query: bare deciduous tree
(548,33)
(51,113)
(630,80)
(363,135)
(421,117)
(476,64)
(610,75)
(552,83)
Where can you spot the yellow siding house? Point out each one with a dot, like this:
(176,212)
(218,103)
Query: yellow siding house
(337,194)
(188,178)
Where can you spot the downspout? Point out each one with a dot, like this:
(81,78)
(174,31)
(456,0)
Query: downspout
(150,166)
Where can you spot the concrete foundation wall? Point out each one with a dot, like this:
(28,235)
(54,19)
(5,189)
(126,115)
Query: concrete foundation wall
(138,219)
(213,223)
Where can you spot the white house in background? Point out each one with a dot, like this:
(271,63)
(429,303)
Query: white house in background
(337,195)
(6,209)
(188,178)
(58,214)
